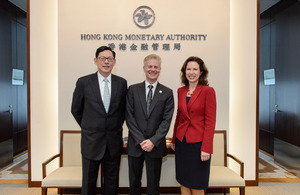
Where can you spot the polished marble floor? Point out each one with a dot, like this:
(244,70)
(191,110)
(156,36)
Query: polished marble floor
(17,172)
(269,171)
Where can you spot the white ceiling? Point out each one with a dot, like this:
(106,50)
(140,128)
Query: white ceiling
(264,4)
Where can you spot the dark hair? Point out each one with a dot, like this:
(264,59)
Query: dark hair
(204,72)
(103,48)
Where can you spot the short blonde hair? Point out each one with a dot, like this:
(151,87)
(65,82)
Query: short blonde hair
(152,56)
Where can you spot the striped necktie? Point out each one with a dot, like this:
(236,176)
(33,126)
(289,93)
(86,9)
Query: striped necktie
(149,99)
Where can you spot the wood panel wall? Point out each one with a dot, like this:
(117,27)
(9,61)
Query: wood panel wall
(274,54)
(15,49)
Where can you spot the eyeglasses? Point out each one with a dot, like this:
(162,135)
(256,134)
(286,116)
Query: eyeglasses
(102,59)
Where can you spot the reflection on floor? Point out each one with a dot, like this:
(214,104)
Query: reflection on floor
(269,171)
(16,173)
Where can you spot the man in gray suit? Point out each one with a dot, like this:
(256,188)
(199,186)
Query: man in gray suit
(99,108)
(149,111)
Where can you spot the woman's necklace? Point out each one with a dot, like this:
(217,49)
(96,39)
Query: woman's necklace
(190,92)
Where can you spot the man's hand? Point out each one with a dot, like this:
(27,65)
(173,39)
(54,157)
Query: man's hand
(147,145)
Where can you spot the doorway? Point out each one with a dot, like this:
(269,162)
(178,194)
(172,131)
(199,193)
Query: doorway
(279,111)
(13,83)
(6,135)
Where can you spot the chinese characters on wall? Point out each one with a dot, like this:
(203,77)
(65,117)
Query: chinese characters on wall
(152,42)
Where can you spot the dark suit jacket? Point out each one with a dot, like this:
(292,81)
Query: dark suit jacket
(196,120)
(156,126)
(98,128)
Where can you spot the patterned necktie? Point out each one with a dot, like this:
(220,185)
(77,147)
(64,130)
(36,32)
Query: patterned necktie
(106,95)
(149,99)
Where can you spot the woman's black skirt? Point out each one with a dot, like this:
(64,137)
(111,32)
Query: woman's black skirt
(191,172)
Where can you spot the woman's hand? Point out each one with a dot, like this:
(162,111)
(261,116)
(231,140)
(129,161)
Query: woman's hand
(173,146)
(204,156)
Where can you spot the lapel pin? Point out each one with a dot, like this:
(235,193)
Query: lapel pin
(160,91)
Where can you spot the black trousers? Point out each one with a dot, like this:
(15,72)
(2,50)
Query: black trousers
(90,169)
(153,170)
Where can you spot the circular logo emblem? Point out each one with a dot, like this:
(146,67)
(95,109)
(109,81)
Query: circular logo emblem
(143,17)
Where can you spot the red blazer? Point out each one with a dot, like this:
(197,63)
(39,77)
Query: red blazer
(196,120)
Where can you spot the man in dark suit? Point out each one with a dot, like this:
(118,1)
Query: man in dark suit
(149,111)
(98,106)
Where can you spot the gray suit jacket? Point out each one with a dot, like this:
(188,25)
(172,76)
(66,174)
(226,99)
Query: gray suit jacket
(98,128)
(156,126)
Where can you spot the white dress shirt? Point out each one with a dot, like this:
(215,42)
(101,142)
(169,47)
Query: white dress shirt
(102,83)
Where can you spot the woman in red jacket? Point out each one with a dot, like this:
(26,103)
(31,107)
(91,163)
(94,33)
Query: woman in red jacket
(194,128)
